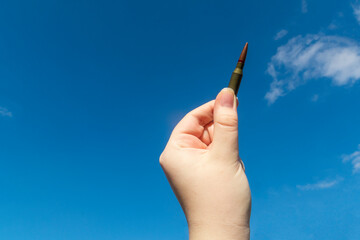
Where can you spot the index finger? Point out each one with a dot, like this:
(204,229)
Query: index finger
(193,123)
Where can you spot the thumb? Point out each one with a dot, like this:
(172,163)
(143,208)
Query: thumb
(225,122)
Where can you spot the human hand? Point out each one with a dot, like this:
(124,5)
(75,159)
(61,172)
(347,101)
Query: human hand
(202,164)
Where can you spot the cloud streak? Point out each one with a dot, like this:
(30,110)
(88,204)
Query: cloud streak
(354,158)
(319,185)
(315,98)
(4,112)
(304,6)
(312,57)
(281,34)
(356,9)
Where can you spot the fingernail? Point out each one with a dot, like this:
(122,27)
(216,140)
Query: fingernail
(227,98)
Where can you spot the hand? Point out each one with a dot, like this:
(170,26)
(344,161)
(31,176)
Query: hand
(202,164)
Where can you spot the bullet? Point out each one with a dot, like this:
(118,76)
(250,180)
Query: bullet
(237,74)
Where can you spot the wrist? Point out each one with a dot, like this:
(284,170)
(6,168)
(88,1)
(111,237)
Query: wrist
(218,232)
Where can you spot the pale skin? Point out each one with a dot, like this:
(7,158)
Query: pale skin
(202,164)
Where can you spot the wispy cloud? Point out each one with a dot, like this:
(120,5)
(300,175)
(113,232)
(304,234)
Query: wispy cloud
(4,112)
(332,26)
(311,57)
(356,8)
(280,34)
(354,158)
(315,98)
(304,6)
(319,185)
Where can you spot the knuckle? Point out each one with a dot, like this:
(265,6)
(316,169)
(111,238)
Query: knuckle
(228,120)
(162,159)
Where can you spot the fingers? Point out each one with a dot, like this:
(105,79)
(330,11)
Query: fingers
(207,135)
(194,122)
(225,122)
(214,123)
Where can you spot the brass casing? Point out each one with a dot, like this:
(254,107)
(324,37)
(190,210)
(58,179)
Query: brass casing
(236,77)
(235,81)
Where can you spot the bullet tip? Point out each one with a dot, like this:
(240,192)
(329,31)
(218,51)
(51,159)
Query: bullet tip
(243,53)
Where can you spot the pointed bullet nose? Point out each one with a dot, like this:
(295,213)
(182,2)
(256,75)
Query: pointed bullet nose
(242,57)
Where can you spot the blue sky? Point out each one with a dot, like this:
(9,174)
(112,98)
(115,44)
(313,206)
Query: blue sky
(90,91)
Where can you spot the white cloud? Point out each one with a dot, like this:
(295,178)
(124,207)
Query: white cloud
(4,112)
(313,56)
(304,7)
(319,185)
(356,8)
(280,34)
(354,158)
